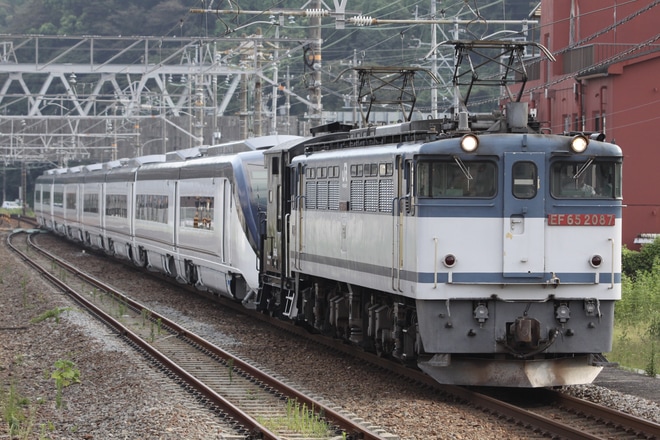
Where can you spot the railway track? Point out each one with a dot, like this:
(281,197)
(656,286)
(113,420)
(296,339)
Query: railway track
(601,421)
(253,402)
(540,412)
(544,412)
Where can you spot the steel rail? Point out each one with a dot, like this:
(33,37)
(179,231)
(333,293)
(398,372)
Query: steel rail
(617,418)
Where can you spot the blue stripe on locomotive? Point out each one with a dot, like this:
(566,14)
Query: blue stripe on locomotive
(460,277)
(478,208)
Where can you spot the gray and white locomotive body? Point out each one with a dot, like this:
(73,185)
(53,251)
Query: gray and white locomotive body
(485,267)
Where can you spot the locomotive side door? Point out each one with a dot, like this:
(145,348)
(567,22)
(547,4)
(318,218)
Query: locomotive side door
(524,217)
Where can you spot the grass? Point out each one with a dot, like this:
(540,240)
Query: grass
(53,313)
(637,322)
(635,349)
(16,413)
(300,419)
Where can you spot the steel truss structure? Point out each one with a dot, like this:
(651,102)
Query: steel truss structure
(61,96)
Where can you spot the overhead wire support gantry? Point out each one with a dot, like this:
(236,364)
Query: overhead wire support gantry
(71,97)
(343,17)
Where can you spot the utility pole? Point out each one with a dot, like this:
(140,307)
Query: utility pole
(23,195)
(287,102)
(434,62)
(4,181)
(278,21)
(199,110)
(355,90)
(258,93)
(315,86)
(244,101)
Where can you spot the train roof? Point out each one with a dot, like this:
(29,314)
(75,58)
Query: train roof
(118,169)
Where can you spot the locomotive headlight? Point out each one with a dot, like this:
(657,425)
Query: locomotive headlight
(469,143)
(596,261)
(449,260)
(579,143)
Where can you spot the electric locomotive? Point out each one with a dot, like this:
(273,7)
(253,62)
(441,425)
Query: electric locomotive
(486,258)
(474,246)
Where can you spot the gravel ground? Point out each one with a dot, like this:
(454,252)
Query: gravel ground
(119,397)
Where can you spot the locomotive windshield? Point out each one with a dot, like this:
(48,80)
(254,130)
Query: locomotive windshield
(455,178)
(588,179)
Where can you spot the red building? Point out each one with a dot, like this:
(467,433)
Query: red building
(606,78)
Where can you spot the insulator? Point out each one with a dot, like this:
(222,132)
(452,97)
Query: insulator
(361,20)
(316,12)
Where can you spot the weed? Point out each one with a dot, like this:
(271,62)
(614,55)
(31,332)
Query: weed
(651,369)
(300,419)
(121,307)
(63,275)
(45,428)
(19,358)
(654,327)
(15,412)
(152,334)
(230,369)
(53,313)
(65,374)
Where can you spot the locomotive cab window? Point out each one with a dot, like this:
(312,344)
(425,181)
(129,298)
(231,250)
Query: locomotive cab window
(455,178)
(586,180)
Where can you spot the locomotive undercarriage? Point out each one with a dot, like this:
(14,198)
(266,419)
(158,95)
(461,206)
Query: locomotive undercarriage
(388,325)
(379,323)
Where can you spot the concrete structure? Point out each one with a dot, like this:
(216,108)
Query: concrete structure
(606,79)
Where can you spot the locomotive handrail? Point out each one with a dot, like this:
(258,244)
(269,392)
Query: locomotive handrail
(262,242)
(396,244)
(288,234)
(395,205)
(299,208)
(435,263)
(611,240)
